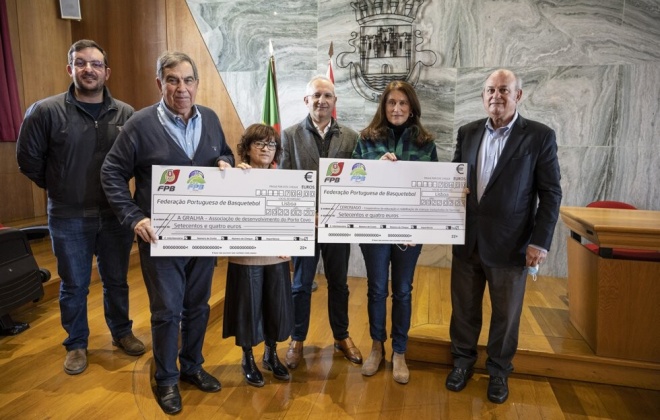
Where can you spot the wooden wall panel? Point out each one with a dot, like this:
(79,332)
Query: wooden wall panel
(16,191)
(44,41)
(133,35)
(183,35)
(40,41)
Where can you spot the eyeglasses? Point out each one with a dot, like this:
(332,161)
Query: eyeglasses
(260,144)
(326,96)
(79,63)
(175,81)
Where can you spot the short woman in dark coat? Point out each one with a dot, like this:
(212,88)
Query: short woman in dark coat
(258,303)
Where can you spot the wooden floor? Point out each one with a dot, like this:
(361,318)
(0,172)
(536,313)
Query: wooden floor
(325,385)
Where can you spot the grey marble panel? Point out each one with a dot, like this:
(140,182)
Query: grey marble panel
(250,101)
(441,22)
(238,32)
(639,100)
(635,177)
(530,33)
(582,170)
(641,18)
(291,87)
(436,93)
(632,173)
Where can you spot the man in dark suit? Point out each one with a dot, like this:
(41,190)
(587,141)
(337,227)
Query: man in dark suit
(511,213)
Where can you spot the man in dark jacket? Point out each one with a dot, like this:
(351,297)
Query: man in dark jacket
(511,212)
(61,146)
(175,132)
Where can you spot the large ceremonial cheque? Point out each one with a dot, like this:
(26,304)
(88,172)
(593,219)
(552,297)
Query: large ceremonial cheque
(202,211)
(380,201)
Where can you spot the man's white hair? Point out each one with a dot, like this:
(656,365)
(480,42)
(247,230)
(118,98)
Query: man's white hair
(310,85)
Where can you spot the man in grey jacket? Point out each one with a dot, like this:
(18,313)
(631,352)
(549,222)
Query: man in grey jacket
(61,146)
(317,136)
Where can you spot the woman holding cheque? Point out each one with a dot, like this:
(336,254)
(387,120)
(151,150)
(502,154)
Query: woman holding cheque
(258,303)
(395,133)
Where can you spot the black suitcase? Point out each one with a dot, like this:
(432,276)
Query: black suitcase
(20,278)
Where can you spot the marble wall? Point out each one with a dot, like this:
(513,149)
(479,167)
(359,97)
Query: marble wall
(591,70)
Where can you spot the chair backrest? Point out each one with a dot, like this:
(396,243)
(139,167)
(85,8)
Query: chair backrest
(612,205)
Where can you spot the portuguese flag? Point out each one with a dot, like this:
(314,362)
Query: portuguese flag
(271,113)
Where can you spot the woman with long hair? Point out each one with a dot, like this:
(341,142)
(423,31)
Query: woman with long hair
(395,133)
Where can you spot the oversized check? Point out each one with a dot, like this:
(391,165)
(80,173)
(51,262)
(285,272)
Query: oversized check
(202,211)
(380,201)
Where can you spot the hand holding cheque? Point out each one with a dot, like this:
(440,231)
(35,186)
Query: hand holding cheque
(386,201)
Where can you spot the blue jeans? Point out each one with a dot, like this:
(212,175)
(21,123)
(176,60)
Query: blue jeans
(335,264)
(179,289)
(75,243)
(377,259)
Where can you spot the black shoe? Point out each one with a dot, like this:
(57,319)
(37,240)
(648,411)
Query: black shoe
(202,380)
(272,363)
(498,389)
(168,398)
(250,370)
(457,378)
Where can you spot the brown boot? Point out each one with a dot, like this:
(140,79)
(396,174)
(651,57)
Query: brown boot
(371,365)
(400,371)
(130,344)
(75,361)
(294,354)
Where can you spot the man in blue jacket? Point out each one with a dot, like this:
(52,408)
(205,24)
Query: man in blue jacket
(61,146)
(175,132)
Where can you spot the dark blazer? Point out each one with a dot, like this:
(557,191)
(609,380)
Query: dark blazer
(520,204)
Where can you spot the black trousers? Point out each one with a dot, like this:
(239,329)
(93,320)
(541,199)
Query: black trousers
(506,287)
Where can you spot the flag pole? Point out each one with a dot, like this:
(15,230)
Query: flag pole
(331,75)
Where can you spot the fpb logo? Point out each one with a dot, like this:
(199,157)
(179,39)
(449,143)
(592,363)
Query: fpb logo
(196,180)
(169,177)
(334,170)
(359,173)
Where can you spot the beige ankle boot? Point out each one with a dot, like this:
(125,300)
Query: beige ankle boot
(371,365)
(400,371)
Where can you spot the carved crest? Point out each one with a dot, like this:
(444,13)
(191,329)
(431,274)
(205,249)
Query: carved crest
(385,48)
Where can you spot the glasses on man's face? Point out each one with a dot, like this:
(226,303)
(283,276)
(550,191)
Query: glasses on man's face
(79,63)
(260,144)
(175,81)
(318,96)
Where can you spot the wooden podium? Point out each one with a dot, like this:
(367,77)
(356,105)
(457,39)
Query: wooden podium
(614,303)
